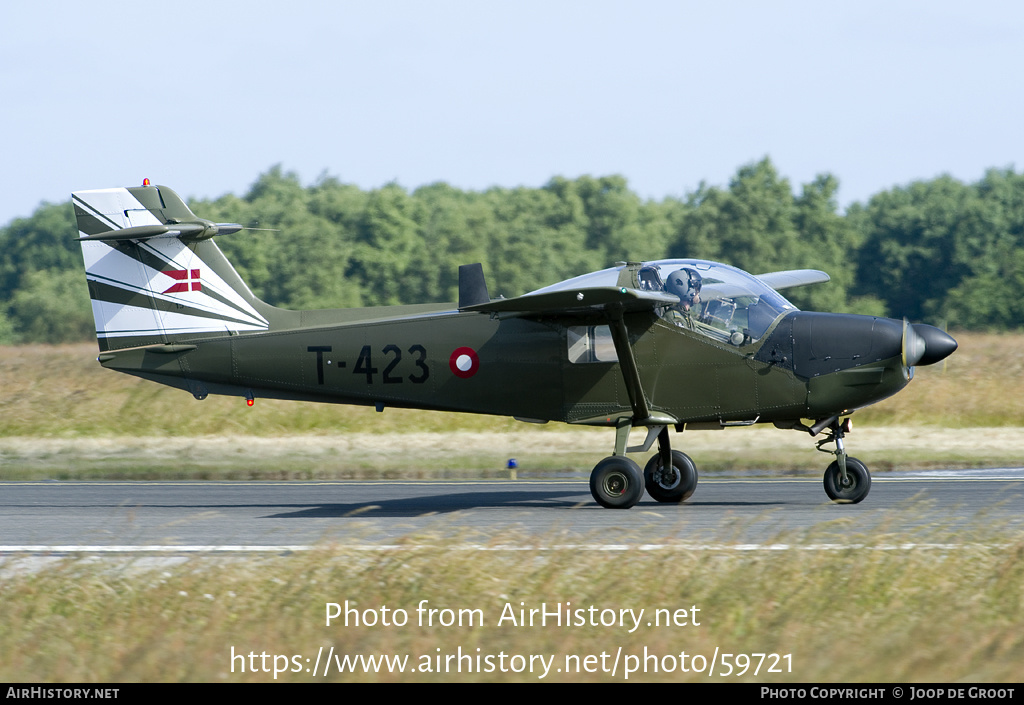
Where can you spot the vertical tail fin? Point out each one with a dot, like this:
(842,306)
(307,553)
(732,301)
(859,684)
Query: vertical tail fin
(154,274)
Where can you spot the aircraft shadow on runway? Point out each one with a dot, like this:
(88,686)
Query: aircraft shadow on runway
(462,501)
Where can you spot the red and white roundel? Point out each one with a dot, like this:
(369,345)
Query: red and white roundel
(464,362)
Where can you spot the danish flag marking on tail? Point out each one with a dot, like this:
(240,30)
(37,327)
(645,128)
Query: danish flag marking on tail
(187,279)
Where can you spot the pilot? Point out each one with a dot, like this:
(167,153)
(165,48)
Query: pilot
(684,283)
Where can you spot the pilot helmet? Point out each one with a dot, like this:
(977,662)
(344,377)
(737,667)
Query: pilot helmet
(684,283)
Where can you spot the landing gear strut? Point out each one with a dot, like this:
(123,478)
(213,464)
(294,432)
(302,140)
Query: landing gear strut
(847,479)
(669,476)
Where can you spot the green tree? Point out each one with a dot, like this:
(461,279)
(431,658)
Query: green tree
(46,240)
(989,251)
(52,306)
(759,226)
(908,259)
(936,250)
(751,225)
(386,242)
(278,204)
(455,227)
(827,241)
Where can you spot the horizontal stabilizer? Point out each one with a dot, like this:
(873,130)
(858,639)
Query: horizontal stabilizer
(186,231)
(143,232)
(140,213)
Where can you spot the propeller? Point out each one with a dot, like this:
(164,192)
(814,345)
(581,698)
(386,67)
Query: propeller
(925,345)
(913,345)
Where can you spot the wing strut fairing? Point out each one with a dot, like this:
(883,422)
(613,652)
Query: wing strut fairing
(642,415)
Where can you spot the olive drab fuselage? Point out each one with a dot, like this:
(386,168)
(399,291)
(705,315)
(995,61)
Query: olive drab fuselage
(516,367)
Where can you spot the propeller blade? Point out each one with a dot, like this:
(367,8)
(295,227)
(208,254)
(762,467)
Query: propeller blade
(914,346)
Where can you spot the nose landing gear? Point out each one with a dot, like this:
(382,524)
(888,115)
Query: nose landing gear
(847,479)
(851,489)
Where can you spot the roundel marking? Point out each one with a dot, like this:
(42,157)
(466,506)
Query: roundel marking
(464,362)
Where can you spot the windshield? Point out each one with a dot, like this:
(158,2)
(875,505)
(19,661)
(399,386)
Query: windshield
(716,300)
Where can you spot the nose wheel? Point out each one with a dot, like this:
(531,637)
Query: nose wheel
(847,480)
(851,489)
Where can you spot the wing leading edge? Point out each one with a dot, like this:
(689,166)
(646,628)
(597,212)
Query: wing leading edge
(794,277)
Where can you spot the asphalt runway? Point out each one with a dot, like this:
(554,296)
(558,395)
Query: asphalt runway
(239,516)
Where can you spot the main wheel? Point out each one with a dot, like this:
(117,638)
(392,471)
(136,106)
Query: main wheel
(676,484)
(858,482)
(617,482)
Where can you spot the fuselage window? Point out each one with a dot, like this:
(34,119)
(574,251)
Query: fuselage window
(591,344)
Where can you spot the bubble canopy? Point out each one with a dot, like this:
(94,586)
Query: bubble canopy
(733,305)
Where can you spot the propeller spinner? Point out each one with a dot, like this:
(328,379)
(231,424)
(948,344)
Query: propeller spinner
(925,345)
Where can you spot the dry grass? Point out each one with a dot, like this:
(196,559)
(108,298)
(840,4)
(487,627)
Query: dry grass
(866,612)
(860,612)
(61,391)
(55,391)
(480,454)
(981,384)
(63,416)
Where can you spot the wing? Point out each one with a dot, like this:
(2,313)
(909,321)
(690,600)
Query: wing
(793,277)
(582,301)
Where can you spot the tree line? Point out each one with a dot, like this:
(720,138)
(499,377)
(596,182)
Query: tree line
(940,251)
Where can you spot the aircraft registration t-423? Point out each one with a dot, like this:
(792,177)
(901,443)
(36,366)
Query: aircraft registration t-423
(668,344)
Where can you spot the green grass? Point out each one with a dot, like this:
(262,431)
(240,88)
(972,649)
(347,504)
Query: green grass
(867,609)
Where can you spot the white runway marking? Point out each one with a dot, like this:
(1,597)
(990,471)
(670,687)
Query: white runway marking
(58,551)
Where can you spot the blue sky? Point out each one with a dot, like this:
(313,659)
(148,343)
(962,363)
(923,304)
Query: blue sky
(205,96)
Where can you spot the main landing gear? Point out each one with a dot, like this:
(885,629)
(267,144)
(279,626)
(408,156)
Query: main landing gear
(847,479)
(669,476)
(617,482)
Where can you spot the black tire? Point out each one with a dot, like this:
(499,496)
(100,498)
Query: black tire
(677,485)
(617,483)
(859,482)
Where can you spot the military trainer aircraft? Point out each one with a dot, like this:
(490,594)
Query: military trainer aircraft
(670,344)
